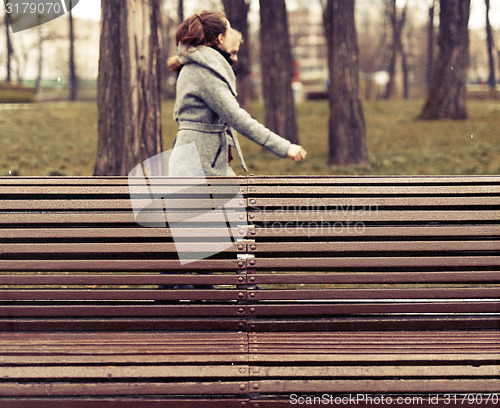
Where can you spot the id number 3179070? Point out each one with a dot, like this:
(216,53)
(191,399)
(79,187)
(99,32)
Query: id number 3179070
(36,7)
(468,399)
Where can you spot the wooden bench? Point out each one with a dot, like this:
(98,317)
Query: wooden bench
(368,288)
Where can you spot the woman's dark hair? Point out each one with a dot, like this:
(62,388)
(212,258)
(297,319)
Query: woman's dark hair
(202,29)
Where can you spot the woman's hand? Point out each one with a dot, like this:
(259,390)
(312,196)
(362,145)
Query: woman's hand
(296,152)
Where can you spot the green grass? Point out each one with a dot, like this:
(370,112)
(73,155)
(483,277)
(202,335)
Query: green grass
(48,139)
(61,139)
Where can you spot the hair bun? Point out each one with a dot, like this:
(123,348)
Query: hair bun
(202,28)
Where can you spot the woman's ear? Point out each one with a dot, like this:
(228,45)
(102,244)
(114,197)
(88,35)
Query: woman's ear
(221,38)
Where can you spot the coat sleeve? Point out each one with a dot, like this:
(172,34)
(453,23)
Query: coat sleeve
(216,94)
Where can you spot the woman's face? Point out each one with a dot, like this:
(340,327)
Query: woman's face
(230,42)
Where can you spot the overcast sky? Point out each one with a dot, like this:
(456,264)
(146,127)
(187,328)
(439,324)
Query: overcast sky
(91,9)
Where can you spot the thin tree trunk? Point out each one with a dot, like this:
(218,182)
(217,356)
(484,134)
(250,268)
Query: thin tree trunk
(129,86)
(447,96)
(237,13)
(38,83)
(398,63)
(490,45)
(277,69)
(72,69)
(9,47)
(430,45)
(347,133)
(406,75)
(390,90)
(180,11)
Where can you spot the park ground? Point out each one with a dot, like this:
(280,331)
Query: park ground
(60,138)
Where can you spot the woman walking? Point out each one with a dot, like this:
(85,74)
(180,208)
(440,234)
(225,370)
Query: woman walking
(206,109)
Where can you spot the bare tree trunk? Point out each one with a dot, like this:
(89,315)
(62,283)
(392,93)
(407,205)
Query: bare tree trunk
(167,50)
(237,13)
(490,45)
(72,70)
(347,133)
(406,75)
(277,69)
(398,58)
(430,45)
(38,83)
(180,11)
(390,90)
(129,86)
(9,47)
(498,60)
(447,95)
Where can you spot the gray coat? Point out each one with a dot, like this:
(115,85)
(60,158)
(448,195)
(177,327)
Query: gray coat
(206,109)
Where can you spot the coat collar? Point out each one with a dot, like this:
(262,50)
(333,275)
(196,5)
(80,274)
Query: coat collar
(209,58)
(225,54)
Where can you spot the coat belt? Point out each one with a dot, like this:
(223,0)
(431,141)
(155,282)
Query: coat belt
(203,127)
(215,128)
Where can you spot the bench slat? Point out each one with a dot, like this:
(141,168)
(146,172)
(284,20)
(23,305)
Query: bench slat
(118,279)
(325,309)
(123,388)
(105,204)
(338,386)
(377,307)
(393,293)
(108,204)
(371,231)
(272,217)
(125,265)
(124,400)
(430,276)
(178,323)
(377,371)
(365,190)
(235,371)
(266,294)
(300,248)
(364,323)
(157,359)
(163,339)
(375,180)
(111,248)
(333,204)
(107,219)
(116,294)
(307,179)
(46,234)
(129,310)
(261,278)
(443,231)
(123,372)
(170,186)
(332,263)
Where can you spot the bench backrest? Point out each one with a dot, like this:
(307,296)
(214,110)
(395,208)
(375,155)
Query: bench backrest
(289,254)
